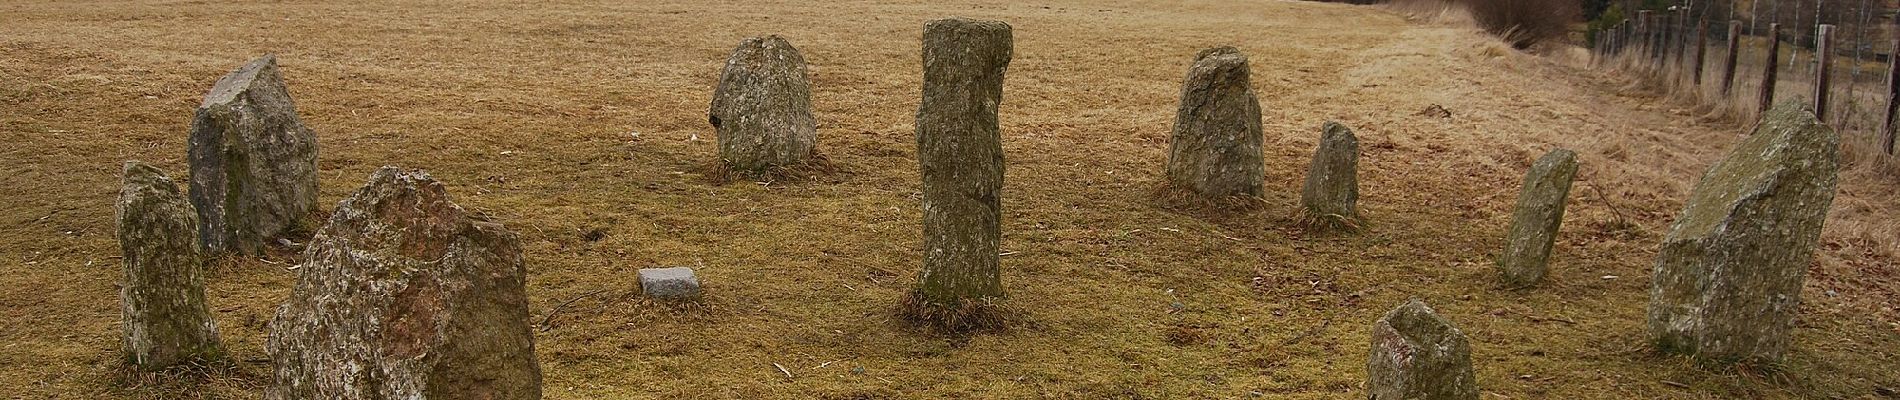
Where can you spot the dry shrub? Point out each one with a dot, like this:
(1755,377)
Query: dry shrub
(1431,11)
(1525,23)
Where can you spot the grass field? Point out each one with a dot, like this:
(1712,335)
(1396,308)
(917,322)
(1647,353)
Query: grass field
(574,124)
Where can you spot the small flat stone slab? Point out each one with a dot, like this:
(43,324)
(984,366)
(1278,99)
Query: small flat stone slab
(669,283)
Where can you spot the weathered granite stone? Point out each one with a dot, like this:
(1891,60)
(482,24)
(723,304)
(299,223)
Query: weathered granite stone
(253,163)
(669,283)
(163,295)
(1728,280)
(404,295)
(762,108)
(1332,181)
(1417,355)
(1540,211)
(960,151)
(1215,150)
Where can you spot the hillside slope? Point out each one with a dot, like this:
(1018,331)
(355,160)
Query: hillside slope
(575,124)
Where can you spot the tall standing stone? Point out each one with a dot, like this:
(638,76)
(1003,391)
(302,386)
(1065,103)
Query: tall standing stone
(1540,211)
(1215,148)
(253,163)
(762,108)
(1728,280)
(1331,194)
(404,295)
(1417,355)
(163,295)
(960,152)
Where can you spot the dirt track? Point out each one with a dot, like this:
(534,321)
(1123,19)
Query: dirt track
(564,119)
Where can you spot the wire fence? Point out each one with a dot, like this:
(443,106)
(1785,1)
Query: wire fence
(1742,56)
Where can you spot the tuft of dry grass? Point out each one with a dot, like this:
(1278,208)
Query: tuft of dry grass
(1328,223)
(969,316)
(816,168)
(525,110)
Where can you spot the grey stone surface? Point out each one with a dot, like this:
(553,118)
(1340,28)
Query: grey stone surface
(762,107)
(253,163)
(1727,282)
(162,297)
(960,152)
(669,283)
(1540,211)
(1215,149)
(404,295)
(1417,355)
(1332,181)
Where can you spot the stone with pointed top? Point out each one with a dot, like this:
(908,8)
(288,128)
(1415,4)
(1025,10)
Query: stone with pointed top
(162,297)
(1331,194)
(253,163)
(404,295)
(1540,211)
(1215,149)
(1727,282)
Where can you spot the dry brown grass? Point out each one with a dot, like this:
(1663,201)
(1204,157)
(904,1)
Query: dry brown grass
(527,112)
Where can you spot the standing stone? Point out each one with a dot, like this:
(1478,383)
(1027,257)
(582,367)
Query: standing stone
(960,151)
(163,295)
(1417,355)
(762,108)
(404,295)
(253,163)
(1332,181)
(1215,149)
(1728,279)
(1540,211)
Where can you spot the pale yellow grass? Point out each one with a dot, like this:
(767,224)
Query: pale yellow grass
(529,113)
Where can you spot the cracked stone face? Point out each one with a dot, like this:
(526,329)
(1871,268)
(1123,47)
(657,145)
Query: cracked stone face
(1332,181)
(253,163)
(1727,282)
(762,107)
(960,153)
(162,296)
(1215,149)
(1539,213)
(1417,355)
(405,295)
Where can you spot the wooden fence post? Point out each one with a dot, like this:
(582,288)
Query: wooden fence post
(1823,56)
(1630,27)
(1667,43)
(1601,46)
(1768,70)
(1631,31)
(1734,50)
(1678,50)
(1609,47)
(1893,97)
(1646,40)
(1701,49)
(1639,35)
(1659,46)
(1665,39)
